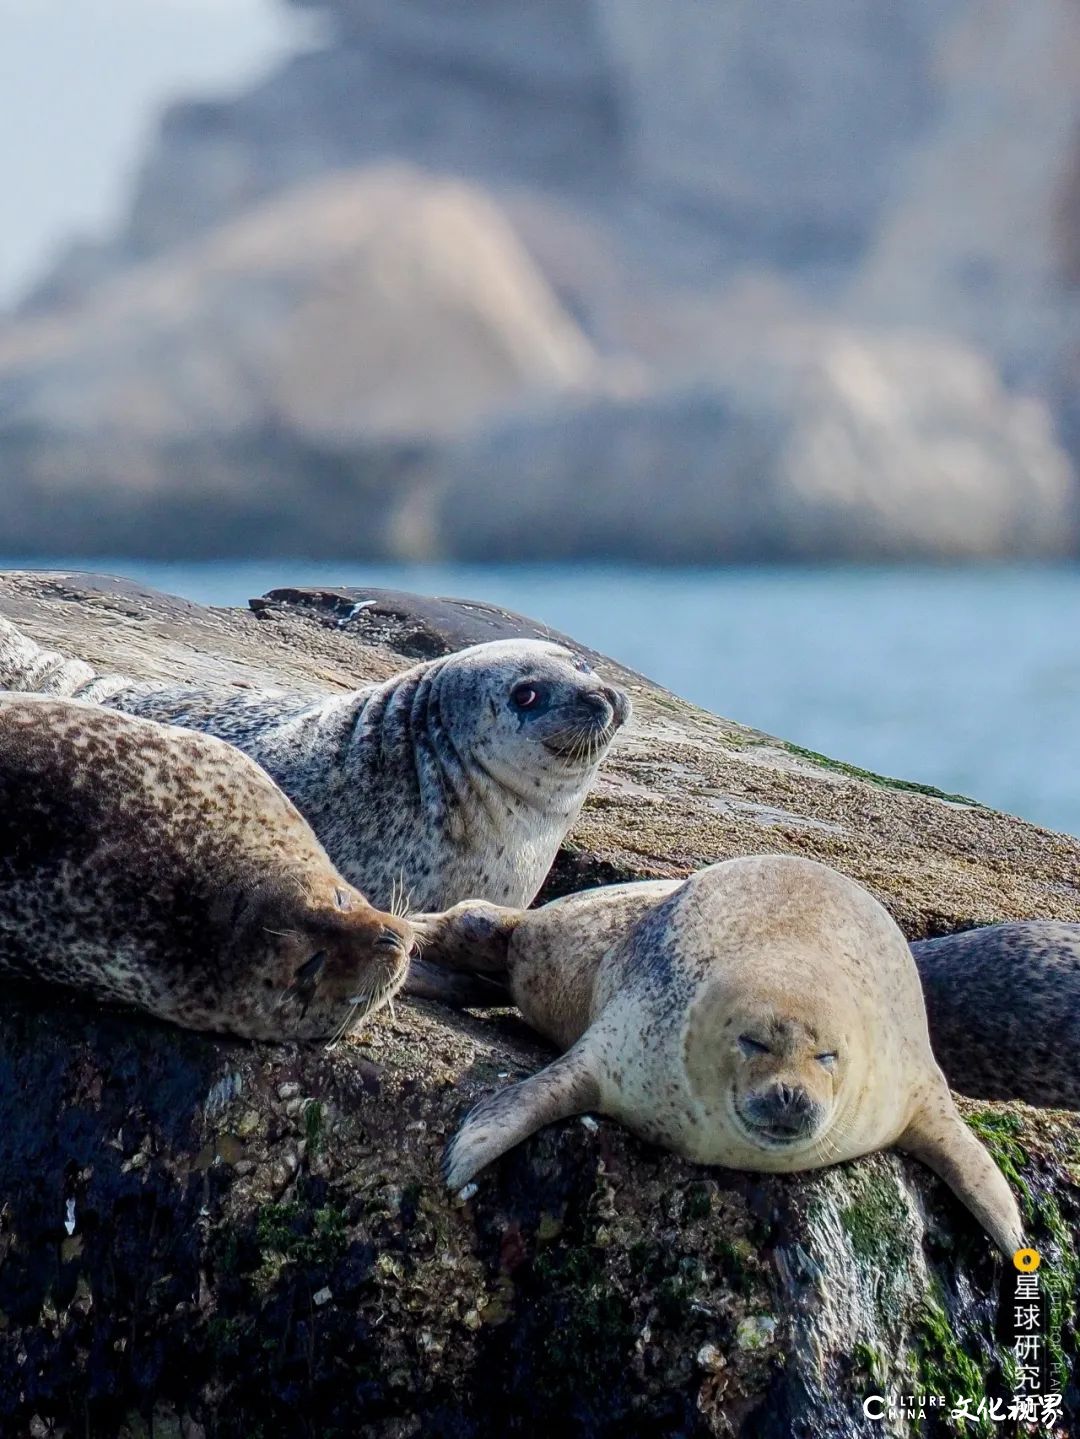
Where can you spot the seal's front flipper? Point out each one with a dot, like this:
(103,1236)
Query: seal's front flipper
(462,991)
(473,936)
(499,1123)
(940,1138)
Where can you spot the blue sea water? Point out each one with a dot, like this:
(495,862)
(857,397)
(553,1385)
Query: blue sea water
(965,679)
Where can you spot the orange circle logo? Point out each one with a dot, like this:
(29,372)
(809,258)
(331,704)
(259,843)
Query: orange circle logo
(1026,1260)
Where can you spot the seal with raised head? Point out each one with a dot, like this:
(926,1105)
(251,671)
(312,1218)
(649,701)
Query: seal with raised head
(163,869)
(1003,1004)
(458,777)
(764,1014)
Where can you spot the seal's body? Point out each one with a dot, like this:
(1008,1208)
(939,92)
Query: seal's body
(161,868)
(458,777)
(764,1014)
(1003,1004)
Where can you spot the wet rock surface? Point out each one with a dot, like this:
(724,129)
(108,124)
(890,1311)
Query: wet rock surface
(202,1237)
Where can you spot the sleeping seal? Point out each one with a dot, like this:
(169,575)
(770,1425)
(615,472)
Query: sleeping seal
(163,869)
(763,1014)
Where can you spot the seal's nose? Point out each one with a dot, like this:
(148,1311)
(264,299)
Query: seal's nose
(610,704)
(600,705)
(784,1107)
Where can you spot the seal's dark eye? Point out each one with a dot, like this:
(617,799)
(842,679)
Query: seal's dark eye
(341,899)
(524,696)
(752,1046)
(828,1060)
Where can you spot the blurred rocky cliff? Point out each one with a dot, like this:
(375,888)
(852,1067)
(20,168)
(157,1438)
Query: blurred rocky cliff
(541,278)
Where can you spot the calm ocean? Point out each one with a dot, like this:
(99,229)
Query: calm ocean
(967,679)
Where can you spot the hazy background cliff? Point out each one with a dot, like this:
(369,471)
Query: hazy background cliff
(559,278)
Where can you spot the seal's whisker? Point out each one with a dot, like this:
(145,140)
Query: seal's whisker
(827,1148)
(580,742)
(400,897)
(343,1027)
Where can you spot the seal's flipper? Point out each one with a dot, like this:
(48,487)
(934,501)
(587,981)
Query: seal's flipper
(463,991)
(940,1138)
(474,936)
(500,1122)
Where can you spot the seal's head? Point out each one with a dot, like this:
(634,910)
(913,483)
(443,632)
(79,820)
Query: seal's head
(529,704)
(327,965)
(784,1079)
(770,1066)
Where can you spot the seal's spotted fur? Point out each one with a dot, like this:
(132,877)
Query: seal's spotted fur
(764,1014)
(1004,1009)
(163,869)
(435,779)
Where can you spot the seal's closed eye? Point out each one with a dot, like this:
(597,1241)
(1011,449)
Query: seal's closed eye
(390,941)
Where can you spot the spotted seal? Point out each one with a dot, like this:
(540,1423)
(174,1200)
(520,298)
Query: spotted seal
(1003,1004)
(458,777)
(763,1014)
(163,869)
